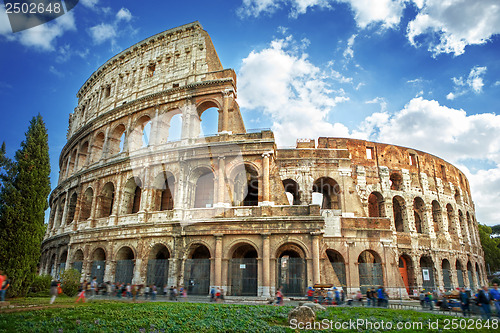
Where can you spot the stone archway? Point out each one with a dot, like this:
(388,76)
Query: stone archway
(197,270)
(292,269)
(158,266)
(243,269)
(370,270)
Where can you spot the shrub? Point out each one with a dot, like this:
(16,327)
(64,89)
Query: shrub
(41,283)
(70,282)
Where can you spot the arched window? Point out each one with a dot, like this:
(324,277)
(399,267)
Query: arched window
(204,190)
(197,270)
(463,227)
(396,181)
(106,200)
(419,214)
(158,265)
(437,217)
(97,147)
(209,121)
(376,205)
(399,212)
(117,140)
(246,187)
(86,205)
(451,219)
(140,137)
(427,267)
(71,209)
(72,163)
(125,264)
(131,196)
(330,191)
(175,128)
(82,156)
(292,191)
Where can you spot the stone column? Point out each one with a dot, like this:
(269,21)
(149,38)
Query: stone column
(221,185)
(315,257)
(266,269)
(137,272)
(218,260)
(108,267)
(265,180)
(65,212)
(225,112)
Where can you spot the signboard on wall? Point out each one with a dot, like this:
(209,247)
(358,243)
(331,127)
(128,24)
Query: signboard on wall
(425,274)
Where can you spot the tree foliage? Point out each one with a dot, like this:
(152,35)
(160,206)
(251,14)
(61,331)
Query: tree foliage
(25,186)
(70,281)
(490,248)
(495,230)
(41,283)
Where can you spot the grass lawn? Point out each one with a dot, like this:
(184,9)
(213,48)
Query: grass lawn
(108,316)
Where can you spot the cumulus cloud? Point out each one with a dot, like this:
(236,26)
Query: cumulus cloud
(89,3)
(102,32)
(367,12)
(474,82)
(124,14)
(109,31)
(257,7)
(281,82)
(449,26)
(349,52)
(42,37)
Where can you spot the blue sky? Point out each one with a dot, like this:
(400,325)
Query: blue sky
(418,73)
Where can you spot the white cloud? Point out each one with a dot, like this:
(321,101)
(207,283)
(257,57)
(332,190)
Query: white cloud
(102,32)
(349,52)
(379,100)
(368,12)
(41,37)
(287,87)
(256,7)
(452,25)
(89,3)
(474,82)
(124,14)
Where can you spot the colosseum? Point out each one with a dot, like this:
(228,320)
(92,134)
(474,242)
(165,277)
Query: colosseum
(144,196)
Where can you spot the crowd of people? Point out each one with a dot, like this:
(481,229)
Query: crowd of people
(88,290)
(468,302)
(336,296)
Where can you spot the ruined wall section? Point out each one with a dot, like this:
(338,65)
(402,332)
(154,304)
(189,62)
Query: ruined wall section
(173,58)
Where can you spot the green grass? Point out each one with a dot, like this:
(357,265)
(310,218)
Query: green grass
(105,316)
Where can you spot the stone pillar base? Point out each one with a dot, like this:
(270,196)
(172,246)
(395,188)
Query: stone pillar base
(264,291)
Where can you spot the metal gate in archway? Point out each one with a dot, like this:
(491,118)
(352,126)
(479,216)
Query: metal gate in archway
(428,278)
(97,270)
(292,276)
(446,279)
(370,275)
(157,272)
(197,276)
(78,265)
(124,271)
(243,272)
(471,281)
(460,278)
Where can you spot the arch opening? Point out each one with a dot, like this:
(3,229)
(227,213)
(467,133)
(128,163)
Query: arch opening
(158,265)
(204,189)
(86,204)
(427,271)
(446,269)
(98,266)
(338,265)
(330,191)
(246,187)
(292,270)
(106,200)
(125,264)
(370,270)
(399,213)
(243,271)
(292,191)
(197,270)
(376,205)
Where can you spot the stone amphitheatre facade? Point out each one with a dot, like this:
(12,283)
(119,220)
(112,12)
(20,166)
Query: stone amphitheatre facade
(135,204)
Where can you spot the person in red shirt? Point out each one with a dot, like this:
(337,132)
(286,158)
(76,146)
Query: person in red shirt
(3,290)
(279,297)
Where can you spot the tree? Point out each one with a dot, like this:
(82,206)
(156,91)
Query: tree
(495,230)
(490,248)
(25,186)
(70,281)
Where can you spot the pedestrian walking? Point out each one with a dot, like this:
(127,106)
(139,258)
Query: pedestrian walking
(212,294)
(93,287)
(3,281)
(81,293)
(464,303)
(310,294)
(154,291)
(279,297)
(146,291)
(54,290)
(495,296)
(483,301)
